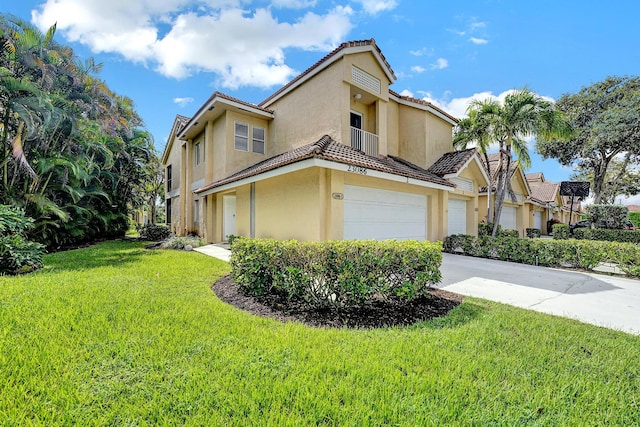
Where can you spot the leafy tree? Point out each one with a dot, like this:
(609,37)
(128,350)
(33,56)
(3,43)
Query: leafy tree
(606,141)
(523,114)
(621,179)
(72,151)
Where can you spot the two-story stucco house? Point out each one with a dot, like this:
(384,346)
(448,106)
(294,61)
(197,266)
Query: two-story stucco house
(333,154)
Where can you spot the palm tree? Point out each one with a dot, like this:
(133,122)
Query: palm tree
(522,115)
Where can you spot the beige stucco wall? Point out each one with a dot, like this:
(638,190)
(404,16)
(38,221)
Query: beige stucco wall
(319,106)
(287,207)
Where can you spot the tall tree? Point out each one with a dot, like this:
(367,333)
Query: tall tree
(522,115)
(606,120)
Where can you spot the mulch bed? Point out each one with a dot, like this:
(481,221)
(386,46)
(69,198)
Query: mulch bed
(375,314)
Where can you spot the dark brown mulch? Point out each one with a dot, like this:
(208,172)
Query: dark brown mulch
(371,315)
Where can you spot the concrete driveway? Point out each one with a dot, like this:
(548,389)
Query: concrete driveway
(612,302)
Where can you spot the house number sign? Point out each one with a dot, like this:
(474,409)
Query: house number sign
(357,169)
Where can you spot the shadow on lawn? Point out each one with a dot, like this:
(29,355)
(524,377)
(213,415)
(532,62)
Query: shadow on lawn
(104,254)
(459,316)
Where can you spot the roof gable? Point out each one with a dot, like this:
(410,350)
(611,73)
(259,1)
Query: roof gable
(345,48)
(178,124)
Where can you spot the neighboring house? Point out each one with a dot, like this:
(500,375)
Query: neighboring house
(333,154)
(547,204)
(515,215)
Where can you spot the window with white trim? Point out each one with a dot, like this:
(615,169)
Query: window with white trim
(258,140)
(241,137)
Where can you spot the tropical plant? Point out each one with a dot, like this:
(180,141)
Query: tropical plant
(523,114)
(72,152)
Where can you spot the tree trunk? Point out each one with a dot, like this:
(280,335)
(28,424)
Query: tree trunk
(502,190)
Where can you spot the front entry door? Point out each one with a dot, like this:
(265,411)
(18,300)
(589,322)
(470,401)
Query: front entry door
(228,216)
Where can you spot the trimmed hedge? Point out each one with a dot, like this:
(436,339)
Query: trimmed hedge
(574,253)
(533,233)
(486,229)
(154,232)
(336,273)
(603,234)
(560,231)
(608,216)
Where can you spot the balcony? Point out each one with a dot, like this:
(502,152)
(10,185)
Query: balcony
(364,141)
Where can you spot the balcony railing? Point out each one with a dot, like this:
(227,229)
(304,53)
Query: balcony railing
(364,141)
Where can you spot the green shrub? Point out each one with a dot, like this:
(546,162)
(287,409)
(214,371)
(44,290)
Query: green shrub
(560,231)
(180,242)
(575,253)
(508,233)
(336,273)
(486,229)
(604,234)
(17,254)
(533,233)
(154,232)
(608,216)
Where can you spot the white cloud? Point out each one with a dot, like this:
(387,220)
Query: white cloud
(407,92)
(373,7)
(183,102)
(421,52)
(418,69)
(476,40)
(182,37)
(293,4)
(440,64)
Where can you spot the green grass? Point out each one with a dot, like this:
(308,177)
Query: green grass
(119,335)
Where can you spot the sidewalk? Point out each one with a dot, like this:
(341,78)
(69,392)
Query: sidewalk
(220,251)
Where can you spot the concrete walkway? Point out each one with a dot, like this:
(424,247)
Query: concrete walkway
(609,301)
(220,251)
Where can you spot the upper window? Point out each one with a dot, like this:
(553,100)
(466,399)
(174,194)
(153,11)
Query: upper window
(169,178)
(258,140)
(241,141)
(197,155)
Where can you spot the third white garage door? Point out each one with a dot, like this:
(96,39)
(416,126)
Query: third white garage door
(457,216)
(371,213)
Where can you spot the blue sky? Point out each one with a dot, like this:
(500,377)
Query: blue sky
(170,55)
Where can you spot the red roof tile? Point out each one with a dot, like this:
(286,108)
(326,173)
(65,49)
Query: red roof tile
(328,149)
(452,162)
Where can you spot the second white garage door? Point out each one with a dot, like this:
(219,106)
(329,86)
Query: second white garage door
(508,218)
(457,218)
(371,213)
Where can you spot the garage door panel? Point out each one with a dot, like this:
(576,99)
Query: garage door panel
(382,214)
(508,218)
(457,217)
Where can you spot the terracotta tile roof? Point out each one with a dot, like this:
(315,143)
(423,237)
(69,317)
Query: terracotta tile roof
(544,192)
(180,122)
(535,176)
(328,149)
(634,208)
(343,46)
(452,162)
(422,102)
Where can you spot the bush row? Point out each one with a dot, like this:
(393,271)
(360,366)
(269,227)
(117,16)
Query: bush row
(629,236)
(574,253)
(336,273)
(153,232)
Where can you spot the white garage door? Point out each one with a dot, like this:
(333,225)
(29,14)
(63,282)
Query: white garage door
(457,216)
(381,214)
(537,220)
(508,218)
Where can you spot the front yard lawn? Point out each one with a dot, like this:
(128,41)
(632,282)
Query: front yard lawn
(118,335)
